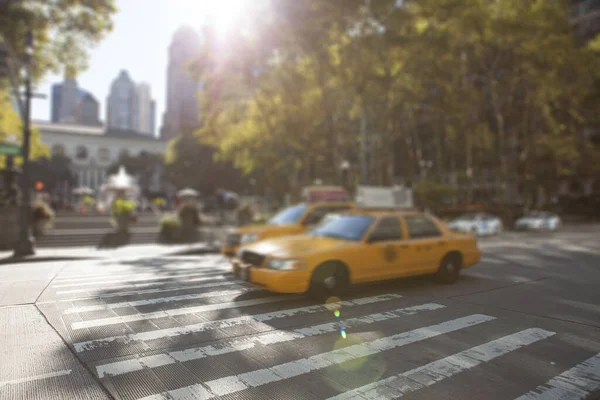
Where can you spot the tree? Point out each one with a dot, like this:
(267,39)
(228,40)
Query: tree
(63,31)
(10,126)
(55,172)
(493,95)
(193,164)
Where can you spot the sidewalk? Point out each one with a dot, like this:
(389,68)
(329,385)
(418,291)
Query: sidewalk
(38,363)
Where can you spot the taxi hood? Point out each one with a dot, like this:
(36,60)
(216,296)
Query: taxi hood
(295,246)
(268,230)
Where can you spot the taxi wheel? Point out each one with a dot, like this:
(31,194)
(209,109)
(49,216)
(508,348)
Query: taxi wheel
(449,269)
(329,279)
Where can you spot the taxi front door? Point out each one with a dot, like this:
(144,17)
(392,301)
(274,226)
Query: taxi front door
(385,250)
(427,245)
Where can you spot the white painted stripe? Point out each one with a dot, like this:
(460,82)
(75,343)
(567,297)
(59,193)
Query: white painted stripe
(436,371)
(228,322)
(159,300)
(130,274)
(236,345)
(147,291)
(578,382)
(493,261)
(138,279)
(142,285)
(177,311)
(123,269)
(35,378)
(236,383)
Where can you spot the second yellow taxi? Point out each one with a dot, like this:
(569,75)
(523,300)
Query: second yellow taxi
(357,246)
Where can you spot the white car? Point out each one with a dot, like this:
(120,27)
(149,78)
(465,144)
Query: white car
(477,224)
(538,221)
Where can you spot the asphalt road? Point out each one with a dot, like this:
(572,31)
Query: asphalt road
(524,324)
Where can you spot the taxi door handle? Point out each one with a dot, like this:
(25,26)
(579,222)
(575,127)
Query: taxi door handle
(403,246)
(441,243)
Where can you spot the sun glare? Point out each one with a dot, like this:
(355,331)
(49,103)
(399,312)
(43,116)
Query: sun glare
(224,15)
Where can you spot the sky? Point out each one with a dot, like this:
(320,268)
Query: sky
(138,43)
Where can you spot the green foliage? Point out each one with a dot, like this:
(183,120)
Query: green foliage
(433,195)
(188,215)
(170,229)
(194,164)
(244,214)
(122,213)
(483,85)
(10,125)
(63,31)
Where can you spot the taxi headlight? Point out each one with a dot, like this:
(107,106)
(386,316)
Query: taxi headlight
(286,265)
(248,238)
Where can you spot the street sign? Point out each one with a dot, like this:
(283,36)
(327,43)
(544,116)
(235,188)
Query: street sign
(9,149)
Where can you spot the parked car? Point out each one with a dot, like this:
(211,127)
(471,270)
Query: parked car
(539,221)
(477,224)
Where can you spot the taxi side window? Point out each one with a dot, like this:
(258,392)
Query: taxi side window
(421,227)
(316,215)
(387,229)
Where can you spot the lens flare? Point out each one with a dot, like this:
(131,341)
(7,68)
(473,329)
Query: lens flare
(343,333)
(337,313)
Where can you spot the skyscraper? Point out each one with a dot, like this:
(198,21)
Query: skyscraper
(71,104)
(144,110)
(182,113)
(121,104)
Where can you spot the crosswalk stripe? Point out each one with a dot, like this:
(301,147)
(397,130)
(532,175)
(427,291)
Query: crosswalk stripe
(108,272)
(142,285)
(236,345)
(436,371)
(147,291)
(123,266)
(160,300)
(138,279)
(228,322)
(578,382)
(93,323)
(125,275)
(236,383)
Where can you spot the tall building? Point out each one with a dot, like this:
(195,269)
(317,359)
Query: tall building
(73,105)
(87,110)
(144,110)
(121,104)
(182,114)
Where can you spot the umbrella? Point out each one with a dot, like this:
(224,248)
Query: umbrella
(187,192)
(83,190)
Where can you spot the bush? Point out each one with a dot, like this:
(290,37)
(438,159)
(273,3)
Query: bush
(42,217)
(170,229)
(433,195)
(188,215)
(244,215)
(122,213)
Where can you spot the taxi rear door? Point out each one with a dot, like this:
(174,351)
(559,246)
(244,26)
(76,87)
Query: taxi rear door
(426,242)
(385,249)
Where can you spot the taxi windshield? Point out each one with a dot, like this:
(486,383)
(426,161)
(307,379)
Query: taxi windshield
(288,216)
(345,227)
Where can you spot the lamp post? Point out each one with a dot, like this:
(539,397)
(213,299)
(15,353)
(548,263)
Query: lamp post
(24,246)
(345,168)
(425,165)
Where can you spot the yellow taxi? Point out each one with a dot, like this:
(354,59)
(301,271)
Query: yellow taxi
(290,221)
(357,246)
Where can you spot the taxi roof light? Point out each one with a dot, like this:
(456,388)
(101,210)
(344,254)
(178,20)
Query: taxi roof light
(384,198)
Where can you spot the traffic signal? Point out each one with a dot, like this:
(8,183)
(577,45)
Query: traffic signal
(39,186)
